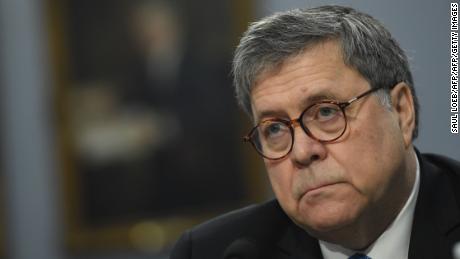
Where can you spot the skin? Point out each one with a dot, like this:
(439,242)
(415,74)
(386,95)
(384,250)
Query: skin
(346,192)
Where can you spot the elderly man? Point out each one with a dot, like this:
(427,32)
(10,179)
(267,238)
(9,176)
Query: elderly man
(335,112)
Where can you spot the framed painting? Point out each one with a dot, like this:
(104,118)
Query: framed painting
(148,128)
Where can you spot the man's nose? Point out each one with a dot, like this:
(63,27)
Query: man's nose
(305,149)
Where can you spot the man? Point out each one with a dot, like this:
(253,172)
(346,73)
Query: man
(335,112)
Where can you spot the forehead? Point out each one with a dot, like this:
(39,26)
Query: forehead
(317,73)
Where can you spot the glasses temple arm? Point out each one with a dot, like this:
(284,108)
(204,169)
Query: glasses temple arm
(360,96)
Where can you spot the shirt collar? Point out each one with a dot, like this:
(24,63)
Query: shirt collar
(393,242)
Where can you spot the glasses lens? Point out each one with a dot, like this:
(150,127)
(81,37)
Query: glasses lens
(272,139)
(325,121)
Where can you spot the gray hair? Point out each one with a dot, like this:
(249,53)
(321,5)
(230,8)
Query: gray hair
(366,46)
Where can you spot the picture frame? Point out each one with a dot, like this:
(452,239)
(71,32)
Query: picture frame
(108,201)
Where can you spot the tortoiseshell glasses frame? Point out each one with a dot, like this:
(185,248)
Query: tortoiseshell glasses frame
(324,121)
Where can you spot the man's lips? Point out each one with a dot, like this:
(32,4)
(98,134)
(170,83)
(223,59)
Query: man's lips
(320,186)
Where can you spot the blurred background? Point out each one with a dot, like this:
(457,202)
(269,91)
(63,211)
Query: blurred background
(119,129)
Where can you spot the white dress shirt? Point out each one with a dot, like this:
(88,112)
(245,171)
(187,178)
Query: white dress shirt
(393,242)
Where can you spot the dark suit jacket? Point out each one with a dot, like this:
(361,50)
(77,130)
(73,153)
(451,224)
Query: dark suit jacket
(435,229)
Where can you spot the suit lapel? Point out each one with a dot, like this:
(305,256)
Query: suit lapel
(436,214)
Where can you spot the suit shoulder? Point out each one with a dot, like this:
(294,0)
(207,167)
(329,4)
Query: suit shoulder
(446,164)
(247,220)
(262,222)
(446,167)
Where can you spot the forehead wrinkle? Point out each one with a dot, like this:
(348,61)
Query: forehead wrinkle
(285,80)
(325,57)
(273,109)
(319,86)
(313,72)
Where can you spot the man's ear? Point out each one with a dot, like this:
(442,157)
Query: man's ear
(403,106)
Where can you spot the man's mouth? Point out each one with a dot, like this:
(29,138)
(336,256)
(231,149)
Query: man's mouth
(320,187)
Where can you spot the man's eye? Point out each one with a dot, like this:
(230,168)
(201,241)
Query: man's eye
(326,113)
(274,129)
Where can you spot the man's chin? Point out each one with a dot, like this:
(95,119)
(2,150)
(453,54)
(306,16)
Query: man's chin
(323,223)
(327,211)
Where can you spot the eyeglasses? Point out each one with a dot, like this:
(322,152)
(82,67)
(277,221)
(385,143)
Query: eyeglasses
(324,121)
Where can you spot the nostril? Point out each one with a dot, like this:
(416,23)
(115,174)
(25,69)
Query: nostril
(314,157)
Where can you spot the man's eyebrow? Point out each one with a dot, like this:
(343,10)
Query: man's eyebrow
(270,114)
(304,103)
(318,97)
